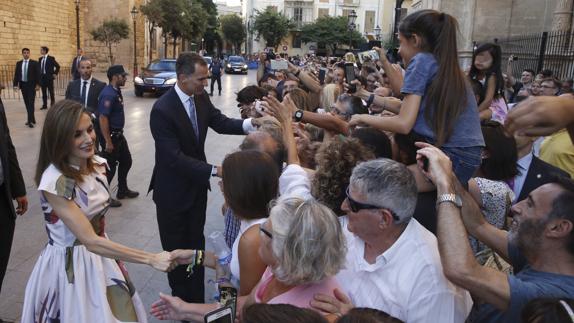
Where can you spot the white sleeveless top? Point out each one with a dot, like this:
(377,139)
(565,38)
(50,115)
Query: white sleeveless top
(234,265)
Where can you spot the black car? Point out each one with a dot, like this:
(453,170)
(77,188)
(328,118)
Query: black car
(158,77)
(235,64)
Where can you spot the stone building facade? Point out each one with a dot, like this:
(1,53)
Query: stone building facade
(52,23)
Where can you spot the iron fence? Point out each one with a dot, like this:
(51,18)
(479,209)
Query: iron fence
(7,75)
(547,50)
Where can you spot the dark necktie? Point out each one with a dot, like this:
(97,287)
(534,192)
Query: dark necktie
(84,83)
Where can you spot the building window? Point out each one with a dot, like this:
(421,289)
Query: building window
(296,41)
(346,12)
(369,21)
(325,1)
(298,14)
(323,12)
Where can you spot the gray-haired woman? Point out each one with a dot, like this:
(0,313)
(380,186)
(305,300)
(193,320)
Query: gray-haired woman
(303,247)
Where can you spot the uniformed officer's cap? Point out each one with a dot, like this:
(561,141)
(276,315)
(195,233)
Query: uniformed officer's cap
(115,70)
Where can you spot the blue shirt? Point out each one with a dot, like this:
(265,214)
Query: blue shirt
(111,105)
(419,75)
(216,68)
(526,285)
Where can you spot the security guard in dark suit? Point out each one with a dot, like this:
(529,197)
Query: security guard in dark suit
(112,120)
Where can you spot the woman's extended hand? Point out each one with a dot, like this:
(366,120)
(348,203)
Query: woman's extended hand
(163,261)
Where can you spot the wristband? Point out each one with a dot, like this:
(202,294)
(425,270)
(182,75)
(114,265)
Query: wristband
(297,73)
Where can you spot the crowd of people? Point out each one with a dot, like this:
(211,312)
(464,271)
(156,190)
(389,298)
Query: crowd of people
(416,192)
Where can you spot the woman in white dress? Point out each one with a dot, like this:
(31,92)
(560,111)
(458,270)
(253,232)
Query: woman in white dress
(79,276)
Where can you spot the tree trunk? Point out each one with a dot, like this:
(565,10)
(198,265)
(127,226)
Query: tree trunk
(151,30)
(164,45)
(174,46)
(111,56)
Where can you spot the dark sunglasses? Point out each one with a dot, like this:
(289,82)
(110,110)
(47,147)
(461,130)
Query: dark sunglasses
(358,206)
(265,232)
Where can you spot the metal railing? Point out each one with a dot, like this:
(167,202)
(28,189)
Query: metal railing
(547,50)
(7,75)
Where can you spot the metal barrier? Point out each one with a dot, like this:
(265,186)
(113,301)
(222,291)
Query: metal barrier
(7,75)
(547,50)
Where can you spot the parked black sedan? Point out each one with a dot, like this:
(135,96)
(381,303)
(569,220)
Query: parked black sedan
(158,77)
(235,64)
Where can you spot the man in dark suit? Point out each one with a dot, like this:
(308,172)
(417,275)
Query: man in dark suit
(86,89)
(76,64)
(179,121)
(533,172)
(11,188)
(26,77)
(48,69)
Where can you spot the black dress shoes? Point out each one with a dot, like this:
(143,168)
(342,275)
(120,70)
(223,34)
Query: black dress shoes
(113,203)
(127,193)
(43,107)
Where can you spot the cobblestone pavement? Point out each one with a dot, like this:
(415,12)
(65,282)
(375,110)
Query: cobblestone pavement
(133,224)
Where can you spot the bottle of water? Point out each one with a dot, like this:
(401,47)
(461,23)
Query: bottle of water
(223,254)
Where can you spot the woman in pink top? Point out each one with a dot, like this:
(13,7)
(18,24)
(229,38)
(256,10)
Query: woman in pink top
(303,247)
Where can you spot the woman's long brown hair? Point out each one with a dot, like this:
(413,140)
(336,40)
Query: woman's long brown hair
(58,138)
(446,96)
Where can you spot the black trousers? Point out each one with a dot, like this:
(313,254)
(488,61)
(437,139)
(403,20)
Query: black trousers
(47,85)
(119,158)
(184,230)
(214,78)
(7,224)
(28,90)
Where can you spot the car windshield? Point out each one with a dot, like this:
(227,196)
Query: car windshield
(236,59)
(162,66)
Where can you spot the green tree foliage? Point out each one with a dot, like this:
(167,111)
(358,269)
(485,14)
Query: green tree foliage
(178,18)
(153,12)
(331,32)
(233,30)
(110,33)
(271,26)
(211,36)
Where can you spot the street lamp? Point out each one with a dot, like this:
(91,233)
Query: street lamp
(351,24)
(378,33)
(134,13)
(77,24)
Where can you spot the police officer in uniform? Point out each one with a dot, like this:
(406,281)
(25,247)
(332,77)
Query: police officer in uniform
(112,120)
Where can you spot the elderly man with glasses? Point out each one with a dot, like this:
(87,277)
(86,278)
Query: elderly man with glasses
(393,263)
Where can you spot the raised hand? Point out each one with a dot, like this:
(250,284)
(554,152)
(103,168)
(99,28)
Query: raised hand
(168,308)
(540,116)
(184,256)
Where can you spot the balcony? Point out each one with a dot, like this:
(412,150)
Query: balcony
(349,3)
(297,25)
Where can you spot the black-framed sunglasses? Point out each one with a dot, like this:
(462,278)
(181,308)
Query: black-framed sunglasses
(265,232)
(358,206)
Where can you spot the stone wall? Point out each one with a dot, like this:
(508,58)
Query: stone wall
(33,24)
(52,23)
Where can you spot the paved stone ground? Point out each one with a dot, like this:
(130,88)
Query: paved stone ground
(134,224)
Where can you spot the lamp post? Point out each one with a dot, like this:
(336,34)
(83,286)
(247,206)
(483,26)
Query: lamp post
(351,25)
(134,14)
(378,33)
(77,24)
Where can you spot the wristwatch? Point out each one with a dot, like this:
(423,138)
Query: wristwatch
(370,99)
(451,198)
(298,116)
(214,171)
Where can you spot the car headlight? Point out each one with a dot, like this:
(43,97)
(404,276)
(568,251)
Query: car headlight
(138,80)
(171,81)
(245,66)
(228,65)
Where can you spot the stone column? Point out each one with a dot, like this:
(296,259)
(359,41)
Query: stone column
(563,16)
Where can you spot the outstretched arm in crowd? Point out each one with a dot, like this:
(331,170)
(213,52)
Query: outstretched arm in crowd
(541,116)
(458,261)
(401,123)
(387,103)
(283,113)
(306,78)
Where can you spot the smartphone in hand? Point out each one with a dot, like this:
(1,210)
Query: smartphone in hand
(350,76)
